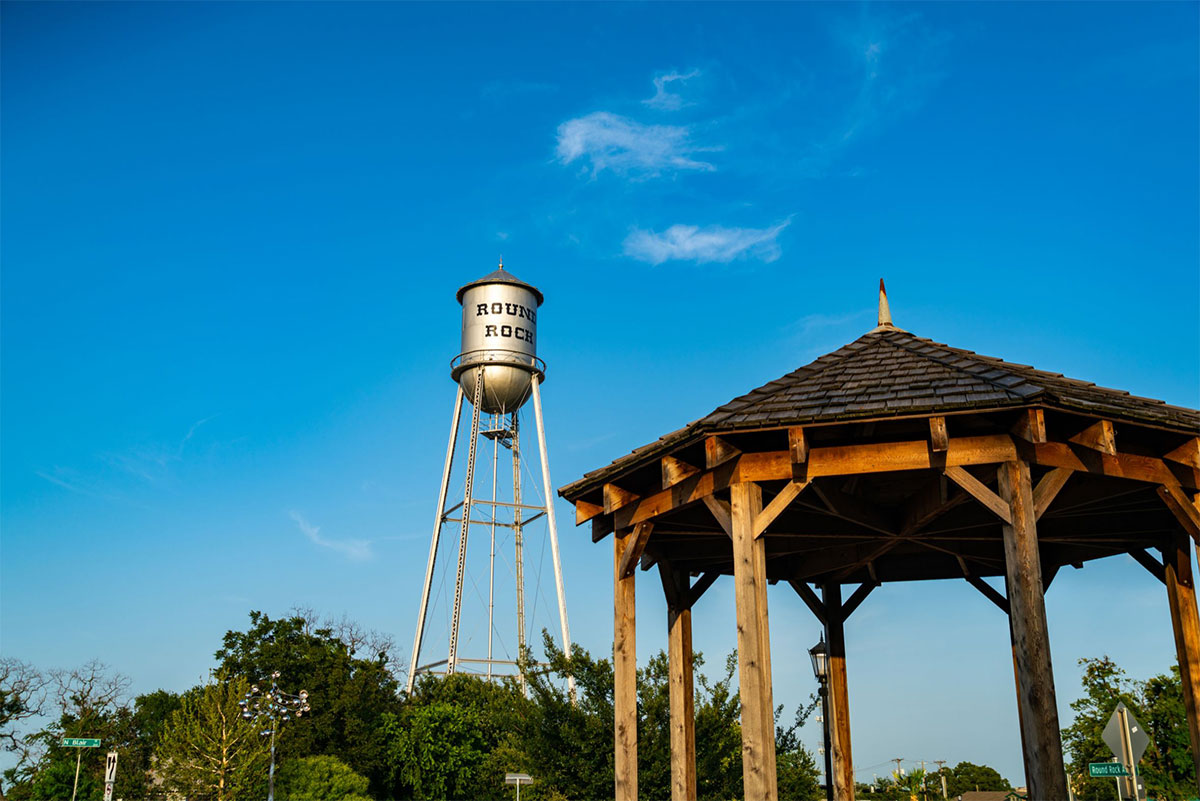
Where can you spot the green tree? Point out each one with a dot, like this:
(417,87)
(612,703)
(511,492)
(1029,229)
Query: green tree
(319,778)
(1166,768)
(966,776)
(456,737)
(349,690)
(207,748)
(89,701)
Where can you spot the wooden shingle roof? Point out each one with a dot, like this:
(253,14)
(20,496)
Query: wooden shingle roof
(889,372)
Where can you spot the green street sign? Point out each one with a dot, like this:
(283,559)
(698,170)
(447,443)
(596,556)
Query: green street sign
(1106,769)
(80,742)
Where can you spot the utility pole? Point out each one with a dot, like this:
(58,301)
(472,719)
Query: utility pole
(940,763)
(924,794)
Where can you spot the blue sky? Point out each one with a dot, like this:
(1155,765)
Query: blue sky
(232,234)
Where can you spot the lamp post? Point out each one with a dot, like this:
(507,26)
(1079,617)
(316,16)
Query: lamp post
(276,705)
(820,662)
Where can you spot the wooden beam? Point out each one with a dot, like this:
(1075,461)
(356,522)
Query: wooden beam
(1048,488)
(777,505)
(1038,706)
(839,699)
(891,456)
(866,559)
(1031,426)
(717,452)
(979,491)
(938,440)
(681,692)
(1099,437)
(1123,465)
(624,676)
(753,647)
(680,685)
(1188,453)
(1049,571)
(845,460)
(676,470)
(927,504)
(702,584)
(1143,558)
(850,508)
(720,511)
(1184,510)
(585,511)
(1185,623)
(989,592)
(797,445)
(815,604)
(616,498)
(634,547)
(601,527)
(855,600)
(674,584)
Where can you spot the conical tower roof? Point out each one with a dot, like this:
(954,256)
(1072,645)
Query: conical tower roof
(500,276)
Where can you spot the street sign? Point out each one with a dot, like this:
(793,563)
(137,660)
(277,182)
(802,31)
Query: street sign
(1138,739)
(80,742)
(518,779)
(110,767)
(1106,769)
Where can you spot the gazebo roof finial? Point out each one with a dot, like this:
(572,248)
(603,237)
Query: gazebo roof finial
(885,313)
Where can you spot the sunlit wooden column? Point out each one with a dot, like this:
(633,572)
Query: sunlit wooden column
(754,676)
(683,706)
(839,696)
(624,676)
(1031,638)
(1181,594)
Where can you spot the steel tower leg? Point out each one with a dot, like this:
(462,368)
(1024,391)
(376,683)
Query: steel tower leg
(492,558)
(518,540)
(439,518)
(468,504)
(549,497)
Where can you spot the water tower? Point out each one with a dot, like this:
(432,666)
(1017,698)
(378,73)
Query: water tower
(497,372)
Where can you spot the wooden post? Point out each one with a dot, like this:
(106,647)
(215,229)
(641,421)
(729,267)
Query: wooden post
(683,707)
(1181,594)
(1036,701)
(839,697)
(624,676)
(754,677)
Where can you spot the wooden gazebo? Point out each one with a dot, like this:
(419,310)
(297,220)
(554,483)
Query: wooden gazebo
(894,458)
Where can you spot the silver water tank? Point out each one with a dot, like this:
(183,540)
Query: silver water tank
(499,335)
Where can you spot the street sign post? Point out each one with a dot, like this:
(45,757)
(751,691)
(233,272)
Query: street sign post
(1098,769)
(79,742)
(110,775)
(1128,742)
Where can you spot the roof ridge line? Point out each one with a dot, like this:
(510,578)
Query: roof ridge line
(967,354)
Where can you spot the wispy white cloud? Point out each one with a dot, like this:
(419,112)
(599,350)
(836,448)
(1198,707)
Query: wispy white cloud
(811,323)
(628,147)
(664,98)
(358,550)
(73,481)
(713,243)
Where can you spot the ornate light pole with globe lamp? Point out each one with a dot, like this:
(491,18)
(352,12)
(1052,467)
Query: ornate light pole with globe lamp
(820,662)
(276,705)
